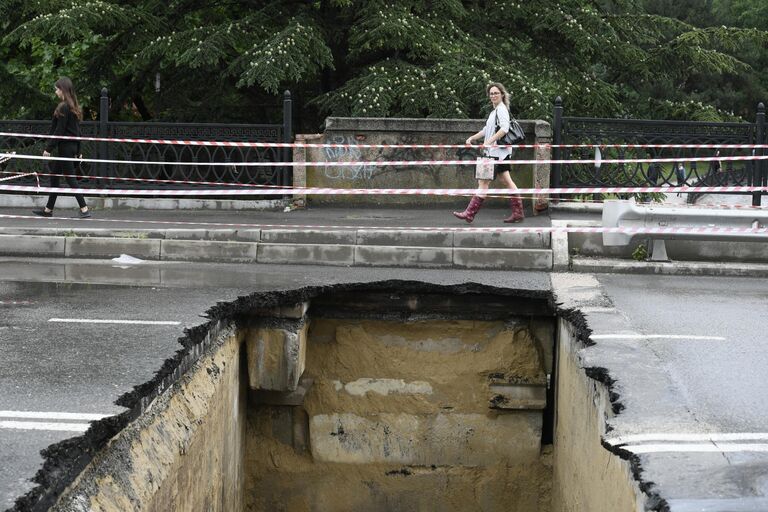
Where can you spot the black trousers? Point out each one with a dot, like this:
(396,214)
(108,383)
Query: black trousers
(67,168)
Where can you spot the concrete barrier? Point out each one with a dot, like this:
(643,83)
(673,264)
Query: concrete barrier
(357,131)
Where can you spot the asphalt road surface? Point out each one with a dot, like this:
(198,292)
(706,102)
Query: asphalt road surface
(74,336)
(690,363)
(701,428)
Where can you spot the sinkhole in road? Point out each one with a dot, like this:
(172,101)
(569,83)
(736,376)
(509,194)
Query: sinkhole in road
(394,395)
(405,401)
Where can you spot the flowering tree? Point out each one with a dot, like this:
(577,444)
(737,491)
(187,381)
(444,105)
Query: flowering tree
(192,60)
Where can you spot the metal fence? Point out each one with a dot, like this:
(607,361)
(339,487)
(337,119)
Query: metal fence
(137,173)
(579,130)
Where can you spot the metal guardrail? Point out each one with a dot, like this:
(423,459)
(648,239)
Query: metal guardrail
(627,214)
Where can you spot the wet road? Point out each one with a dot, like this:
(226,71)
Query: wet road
(691,371)
(79,364)
(700,339)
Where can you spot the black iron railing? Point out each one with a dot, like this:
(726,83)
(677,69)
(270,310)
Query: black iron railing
(577,130)
(147,165)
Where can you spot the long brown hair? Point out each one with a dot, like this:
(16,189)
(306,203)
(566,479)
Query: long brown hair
(64,84)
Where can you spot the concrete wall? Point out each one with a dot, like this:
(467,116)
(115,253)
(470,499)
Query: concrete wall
(355,131)
(185,453)
(587,477)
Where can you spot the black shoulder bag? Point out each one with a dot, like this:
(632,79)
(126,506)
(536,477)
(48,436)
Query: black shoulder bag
(515,135)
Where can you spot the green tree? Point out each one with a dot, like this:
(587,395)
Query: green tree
(231,61)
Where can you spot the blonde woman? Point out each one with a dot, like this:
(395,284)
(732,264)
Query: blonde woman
(496,126)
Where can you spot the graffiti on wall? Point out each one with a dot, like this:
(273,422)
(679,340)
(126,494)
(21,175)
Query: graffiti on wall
(366,172)
(349,153)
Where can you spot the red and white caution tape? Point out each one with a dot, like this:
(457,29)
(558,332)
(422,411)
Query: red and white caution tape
(375,191)
(397,163)
(369,146)
(256,187)
(152,180)
(508,229)
(19,176)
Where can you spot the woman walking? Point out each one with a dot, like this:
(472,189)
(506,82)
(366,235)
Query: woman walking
(496,127)
(66,122)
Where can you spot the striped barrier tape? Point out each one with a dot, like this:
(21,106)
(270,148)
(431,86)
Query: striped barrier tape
(376,191)
(670,189)
(370,146)
(502,229)
(21,176)
(151,180)
(395,163)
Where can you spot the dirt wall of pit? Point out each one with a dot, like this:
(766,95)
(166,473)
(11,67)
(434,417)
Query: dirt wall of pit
(184,453)
(399,417)
(587,477)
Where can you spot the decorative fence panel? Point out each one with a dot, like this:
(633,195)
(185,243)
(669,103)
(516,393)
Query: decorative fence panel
(139,172)
(578,130)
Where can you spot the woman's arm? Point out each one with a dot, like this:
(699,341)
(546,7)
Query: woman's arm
(478,136)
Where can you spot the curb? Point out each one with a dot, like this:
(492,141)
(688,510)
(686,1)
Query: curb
(364,248)
(672,268)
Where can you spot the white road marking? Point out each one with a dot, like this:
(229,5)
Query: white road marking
(679,437)
(34,425)
(655,337)
(702,447)
(52,415)
(104,321)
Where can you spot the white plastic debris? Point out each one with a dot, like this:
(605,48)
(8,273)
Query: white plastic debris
(125,259)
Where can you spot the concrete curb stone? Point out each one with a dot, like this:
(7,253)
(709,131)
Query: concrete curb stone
(397,256)
(211,251)
(308,254)
(393,237)
(112,248)
(22,245)
(489,259)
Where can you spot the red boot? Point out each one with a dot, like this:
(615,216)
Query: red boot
(474,205)
(517,210)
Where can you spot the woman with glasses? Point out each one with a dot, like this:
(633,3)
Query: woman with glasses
(66,122)
(496,127)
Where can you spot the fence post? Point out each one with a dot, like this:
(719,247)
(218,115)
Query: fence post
(557,140)
(758,169)
(103,151)
(287,137)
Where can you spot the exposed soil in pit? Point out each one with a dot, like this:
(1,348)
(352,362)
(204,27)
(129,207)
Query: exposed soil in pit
(399,417)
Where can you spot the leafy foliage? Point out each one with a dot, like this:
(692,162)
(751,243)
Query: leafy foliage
(188,60)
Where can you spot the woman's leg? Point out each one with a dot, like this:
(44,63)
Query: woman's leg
(475,203)
(72,182)
(68,170)
(54,184)
(507,179)
(516,203)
